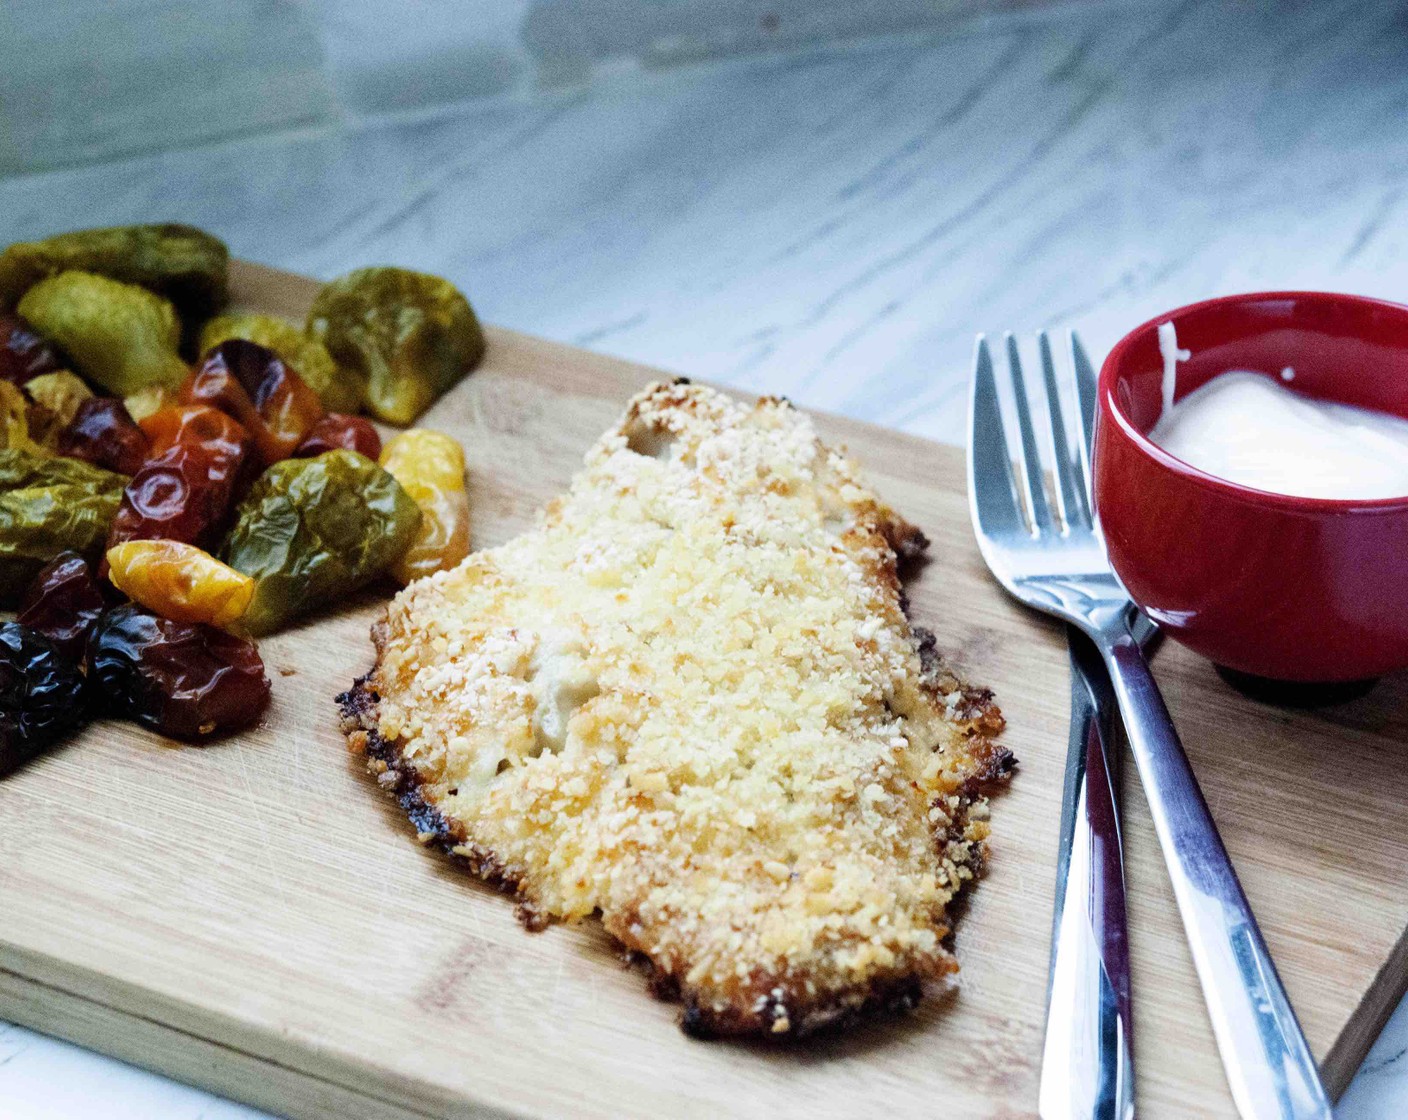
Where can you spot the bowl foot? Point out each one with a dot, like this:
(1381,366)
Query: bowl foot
(1295,694)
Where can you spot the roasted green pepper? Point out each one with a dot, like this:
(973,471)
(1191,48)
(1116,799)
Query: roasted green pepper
(312,530)
(59,394)
(182,263)
(341,390)
(119,335)
(47,506)
(16,416)
(411,336)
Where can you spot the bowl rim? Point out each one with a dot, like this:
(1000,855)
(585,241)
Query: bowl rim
(1105,400)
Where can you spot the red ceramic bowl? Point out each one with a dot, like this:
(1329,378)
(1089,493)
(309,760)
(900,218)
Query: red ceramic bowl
(1295,589)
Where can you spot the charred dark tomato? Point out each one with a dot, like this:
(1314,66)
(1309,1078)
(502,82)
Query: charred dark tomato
(252,384)
(24,353)
(184,494)
(43,695)
(62,603)
(182,679)
(103,432)
(201,461)
(338,431)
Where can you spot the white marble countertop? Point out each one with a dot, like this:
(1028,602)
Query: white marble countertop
(834,225)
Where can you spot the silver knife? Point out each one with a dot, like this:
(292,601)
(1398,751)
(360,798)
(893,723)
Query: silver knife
(1087,1070)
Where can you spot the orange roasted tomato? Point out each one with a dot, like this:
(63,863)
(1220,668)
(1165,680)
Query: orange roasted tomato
(252,384)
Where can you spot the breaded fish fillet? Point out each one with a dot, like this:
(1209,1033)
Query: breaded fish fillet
(690,701)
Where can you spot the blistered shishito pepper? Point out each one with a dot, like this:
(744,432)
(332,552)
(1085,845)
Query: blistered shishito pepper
(103,433)
(340,390)
(430,467)
(48,506)
(185,491)
(180,582)
(338,430)
(410,336)
(119,335)
(314,530)
(184,264)
(146,402)
(23,353)
(251,383)
(15,415)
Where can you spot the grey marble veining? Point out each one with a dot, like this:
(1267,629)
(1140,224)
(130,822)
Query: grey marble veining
(837,224)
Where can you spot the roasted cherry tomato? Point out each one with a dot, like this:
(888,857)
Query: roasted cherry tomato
(180,582)
(183,494)
(339,389)
(23,352)
(181,679)
(43,695)
(210,428)
(187,489)
(62,603)
(336,431)
(253,385)
(103,432)
(196,424)
(430,467)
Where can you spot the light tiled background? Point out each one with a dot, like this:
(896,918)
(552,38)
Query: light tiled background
(833,220)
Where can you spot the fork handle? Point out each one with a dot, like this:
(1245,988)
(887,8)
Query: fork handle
(1269,1066)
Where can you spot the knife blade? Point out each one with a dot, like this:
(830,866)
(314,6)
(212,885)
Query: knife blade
(1087,1064)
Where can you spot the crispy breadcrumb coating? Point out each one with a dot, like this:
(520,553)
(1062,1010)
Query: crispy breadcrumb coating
(690,701)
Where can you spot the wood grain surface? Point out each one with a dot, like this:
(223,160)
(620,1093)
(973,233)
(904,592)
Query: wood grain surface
(254,917)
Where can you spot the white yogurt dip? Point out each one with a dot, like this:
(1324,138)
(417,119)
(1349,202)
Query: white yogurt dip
(1250,428)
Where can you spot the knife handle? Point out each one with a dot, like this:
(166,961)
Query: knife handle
(1087,1069)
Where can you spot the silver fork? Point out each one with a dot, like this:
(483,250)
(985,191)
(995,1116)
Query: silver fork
(1047,553)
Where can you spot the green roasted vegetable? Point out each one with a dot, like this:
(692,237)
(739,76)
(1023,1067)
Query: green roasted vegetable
(409,335)
(341,390)
(184,264)
(48,506)
(313,530)
(119,335)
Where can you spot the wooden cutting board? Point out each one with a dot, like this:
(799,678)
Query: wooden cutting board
(255,918)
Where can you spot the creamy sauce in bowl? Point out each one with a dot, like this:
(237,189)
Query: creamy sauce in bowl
(1252,429)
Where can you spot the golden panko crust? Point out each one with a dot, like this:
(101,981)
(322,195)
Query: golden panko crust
(690,701)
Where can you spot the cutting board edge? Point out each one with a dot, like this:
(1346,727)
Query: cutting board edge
(125,1033)
(1367,1021)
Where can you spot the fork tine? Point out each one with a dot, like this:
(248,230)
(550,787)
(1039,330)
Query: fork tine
(1070,482)
(1085,398)
(1028,459)
(992,490)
